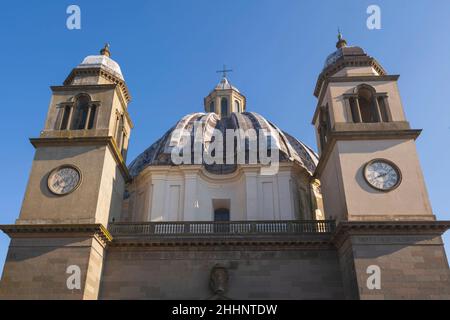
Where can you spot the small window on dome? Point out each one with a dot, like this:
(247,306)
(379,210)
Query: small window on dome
(212,107)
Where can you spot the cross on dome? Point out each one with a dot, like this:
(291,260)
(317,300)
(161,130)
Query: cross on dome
(224,71)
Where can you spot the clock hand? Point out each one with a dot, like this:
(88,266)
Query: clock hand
(380,175)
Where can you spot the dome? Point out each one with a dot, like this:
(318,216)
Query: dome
(343,53)
(159,153)
(102,61)
(224,84)
(346,57)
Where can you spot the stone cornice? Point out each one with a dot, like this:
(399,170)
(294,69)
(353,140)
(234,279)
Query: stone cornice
(351,228)
(52,230)
(106,140)
(344,62)
(102,73)
(311,241)
(78,87)
(335,136)
(344,230)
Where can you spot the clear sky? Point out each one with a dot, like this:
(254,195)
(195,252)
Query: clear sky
(169,51)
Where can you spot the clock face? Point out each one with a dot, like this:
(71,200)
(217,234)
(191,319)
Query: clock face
(382,174)
(64,180)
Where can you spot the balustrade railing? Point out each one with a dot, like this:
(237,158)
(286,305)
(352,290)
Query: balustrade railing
(205,228)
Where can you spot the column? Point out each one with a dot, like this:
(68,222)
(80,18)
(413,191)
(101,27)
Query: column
(377,109)
(191,200)
(159,196)
(358,110)
(251,191)
(285,204)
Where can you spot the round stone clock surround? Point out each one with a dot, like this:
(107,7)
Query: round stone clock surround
(64,179)
(371,180)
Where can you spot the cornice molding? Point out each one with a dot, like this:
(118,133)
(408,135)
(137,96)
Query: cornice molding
(102,73)
(345,229)
(342,63)
(315,241)
(73,230)
(78,87)
(105,140)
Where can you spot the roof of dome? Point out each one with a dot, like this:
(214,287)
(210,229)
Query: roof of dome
(102,61)
(346,56)
(344,52)
(159,153)
(224,84)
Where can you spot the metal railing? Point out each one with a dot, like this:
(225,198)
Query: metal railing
(210,228)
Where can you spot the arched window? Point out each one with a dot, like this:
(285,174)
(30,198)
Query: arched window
(212,107)
(80,113)
(237,106)
(367,106)
(224,107)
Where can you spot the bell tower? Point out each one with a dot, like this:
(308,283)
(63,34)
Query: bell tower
(369,166)
(86,133)
(76,185)
(372,183)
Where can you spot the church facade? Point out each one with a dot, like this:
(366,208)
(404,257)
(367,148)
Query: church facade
(203,213)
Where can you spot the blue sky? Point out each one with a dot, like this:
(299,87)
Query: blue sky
(169,51)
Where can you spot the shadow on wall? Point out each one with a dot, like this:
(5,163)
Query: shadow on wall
(21,251)
(359,178)
(46,155)
(368,148)
(374,247)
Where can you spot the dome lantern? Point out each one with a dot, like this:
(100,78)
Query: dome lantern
(224,99)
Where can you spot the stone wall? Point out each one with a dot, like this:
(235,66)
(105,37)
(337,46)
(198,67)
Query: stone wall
(411,266)
(36,268)
(254,272)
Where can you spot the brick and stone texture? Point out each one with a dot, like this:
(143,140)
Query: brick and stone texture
(254,273)
(412,267)
(36,268)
